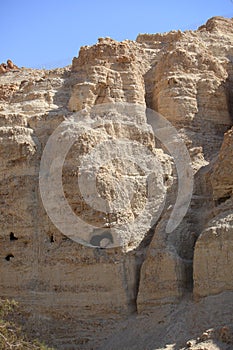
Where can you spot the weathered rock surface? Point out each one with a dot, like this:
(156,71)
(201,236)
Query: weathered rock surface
(68,290)
(213,257)
(221,177)
(7,67)
(108,72)
(213,250)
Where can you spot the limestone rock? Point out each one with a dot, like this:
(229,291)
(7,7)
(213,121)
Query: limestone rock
(188,78)
(108,72)
(7,67)
(213,257)
(162,279)
(221,177)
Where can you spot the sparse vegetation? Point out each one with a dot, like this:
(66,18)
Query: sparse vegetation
(11,336)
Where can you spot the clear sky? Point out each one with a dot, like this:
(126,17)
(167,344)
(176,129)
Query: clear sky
(49,33)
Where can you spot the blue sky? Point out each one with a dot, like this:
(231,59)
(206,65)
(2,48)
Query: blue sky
(49,33)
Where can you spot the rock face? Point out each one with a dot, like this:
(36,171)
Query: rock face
(188,78)
(7,67)
(213,257)
(213,250)
(108,72)
(221,177)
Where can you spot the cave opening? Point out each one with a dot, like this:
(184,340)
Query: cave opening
(13,237)
(9,256)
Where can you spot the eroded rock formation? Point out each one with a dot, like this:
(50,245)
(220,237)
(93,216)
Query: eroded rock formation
(6,67)
(188,78)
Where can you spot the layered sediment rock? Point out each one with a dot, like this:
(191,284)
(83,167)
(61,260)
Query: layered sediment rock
(213,250)
(185,76)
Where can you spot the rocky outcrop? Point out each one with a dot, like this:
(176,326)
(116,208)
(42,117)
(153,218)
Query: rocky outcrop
(7,67)
(213,257)
(100,99)
(108,72)
(213,250)
(221,177)
(192,88)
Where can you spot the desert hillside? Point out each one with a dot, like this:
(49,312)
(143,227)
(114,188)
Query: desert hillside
(117,194)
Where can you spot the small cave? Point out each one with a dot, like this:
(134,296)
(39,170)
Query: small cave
(9,256)
(13,237)
(222,199)
(52,239)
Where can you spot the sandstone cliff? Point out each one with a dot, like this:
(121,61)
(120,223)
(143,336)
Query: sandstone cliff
(157,288)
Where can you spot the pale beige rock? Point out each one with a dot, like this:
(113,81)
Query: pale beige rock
(213,259)
(161,280)
(68,291)
(221,177)
(108,72)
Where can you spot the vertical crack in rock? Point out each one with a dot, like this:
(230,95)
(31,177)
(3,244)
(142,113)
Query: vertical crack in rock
(187,77)
(188,84)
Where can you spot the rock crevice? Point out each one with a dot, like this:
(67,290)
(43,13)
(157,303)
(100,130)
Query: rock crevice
(187,77)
